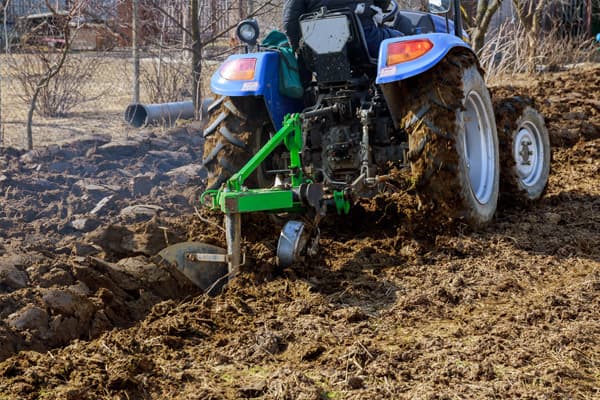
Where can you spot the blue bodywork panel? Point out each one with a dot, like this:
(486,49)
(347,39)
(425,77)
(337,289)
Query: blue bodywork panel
(442,44)
(264,84)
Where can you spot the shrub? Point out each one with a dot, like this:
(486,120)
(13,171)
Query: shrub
(65,90)
(505,51)
(165,79)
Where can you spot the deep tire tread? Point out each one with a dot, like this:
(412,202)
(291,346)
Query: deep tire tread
(509,112)
(432,141)
(232,138)
(225,152)
(234,110)
(212,127)
(213,154)
(215,104)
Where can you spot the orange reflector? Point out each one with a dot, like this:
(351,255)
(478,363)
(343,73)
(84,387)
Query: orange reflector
(240,69)
(407,50)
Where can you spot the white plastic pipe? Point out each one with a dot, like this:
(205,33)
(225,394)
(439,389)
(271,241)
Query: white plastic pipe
(138,115)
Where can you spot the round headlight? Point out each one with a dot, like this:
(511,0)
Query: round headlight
(247,31)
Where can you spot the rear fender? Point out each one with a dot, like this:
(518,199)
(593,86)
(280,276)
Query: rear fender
(265,84)
(442,44)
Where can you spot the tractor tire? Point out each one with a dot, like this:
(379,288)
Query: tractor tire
(236,129)
(524,150)
(453,143)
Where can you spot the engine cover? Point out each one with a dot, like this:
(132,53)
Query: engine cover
(325,40)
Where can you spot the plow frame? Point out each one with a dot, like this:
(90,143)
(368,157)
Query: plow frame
(233,198)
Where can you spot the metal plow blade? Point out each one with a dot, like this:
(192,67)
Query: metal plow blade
(204,264)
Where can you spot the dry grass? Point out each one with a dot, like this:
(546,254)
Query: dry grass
(504,55)
(101,116)
(68,88)
(166,78)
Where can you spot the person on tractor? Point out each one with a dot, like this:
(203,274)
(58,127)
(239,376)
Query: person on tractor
(370,13)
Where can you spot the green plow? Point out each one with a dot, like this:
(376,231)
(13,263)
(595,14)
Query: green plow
(209,266)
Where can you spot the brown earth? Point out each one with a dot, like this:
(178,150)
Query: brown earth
(391,308)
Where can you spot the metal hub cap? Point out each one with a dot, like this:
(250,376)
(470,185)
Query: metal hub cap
(479,148)
(528,153)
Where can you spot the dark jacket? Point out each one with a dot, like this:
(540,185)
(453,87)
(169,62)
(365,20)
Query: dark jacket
(293,9)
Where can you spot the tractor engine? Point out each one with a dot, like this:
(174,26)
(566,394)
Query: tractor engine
(340,148)
(332,137)
(334,148)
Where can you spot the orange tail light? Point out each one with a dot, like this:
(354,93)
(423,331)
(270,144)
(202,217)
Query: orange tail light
(240,69)
(407,50)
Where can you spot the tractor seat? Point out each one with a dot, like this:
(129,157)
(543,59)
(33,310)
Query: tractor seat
(413,22)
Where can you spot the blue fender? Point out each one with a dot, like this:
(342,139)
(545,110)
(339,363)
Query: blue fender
(265,84)
(442,44)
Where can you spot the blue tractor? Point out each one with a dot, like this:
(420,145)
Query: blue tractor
(421,107)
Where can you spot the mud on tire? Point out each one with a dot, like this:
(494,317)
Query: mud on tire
(524,150)
(236,129)
(453,144)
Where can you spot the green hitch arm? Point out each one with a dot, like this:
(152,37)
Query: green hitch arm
(342,204)
(291,135)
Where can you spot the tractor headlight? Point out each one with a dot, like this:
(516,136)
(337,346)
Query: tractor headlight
(247,31)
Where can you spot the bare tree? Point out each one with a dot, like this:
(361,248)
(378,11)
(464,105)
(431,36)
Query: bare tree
(483,16)
(5,25)
(54,68)
(529,13)
(202,35)
(1,120)
(6,47)
(196,54)
(135,51)
(68,88)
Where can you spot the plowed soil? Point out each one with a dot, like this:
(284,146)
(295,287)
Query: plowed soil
(392,308)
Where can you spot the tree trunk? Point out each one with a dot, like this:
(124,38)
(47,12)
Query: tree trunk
(485,12)
(4,22)
(1,120)
(196,56)
(135,52)
(184,31)
(30,117)
(43,83)
(6,48)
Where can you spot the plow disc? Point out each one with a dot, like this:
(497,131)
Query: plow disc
(204,264)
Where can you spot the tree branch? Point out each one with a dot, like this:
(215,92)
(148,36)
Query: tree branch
(170,17)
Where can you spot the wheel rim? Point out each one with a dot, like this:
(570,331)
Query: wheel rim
(479,148)
(528,154)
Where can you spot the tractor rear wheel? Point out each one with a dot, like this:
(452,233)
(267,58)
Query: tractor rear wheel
(237,128)
(453,143)
(524,150)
